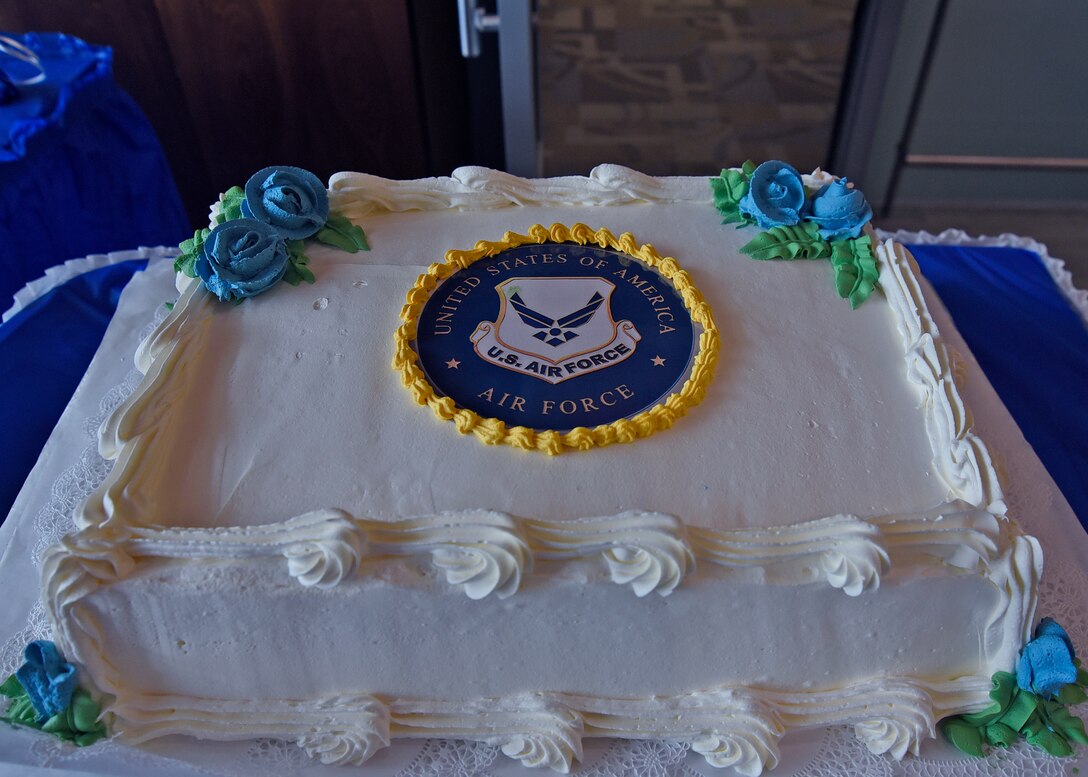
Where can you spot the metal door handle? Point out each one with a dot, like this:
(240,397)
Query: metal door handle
(472,21)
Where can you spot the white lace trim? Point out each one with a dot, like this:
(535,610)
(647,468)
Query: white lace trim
(1063,279)
(63,273)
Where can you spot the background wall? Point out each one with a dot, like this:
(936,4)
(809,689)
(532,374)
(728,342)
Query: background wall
(1007,78)
(231,86)
(686,87)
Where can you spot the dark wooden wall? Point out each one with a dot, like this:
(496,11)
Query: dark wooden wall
(231,86)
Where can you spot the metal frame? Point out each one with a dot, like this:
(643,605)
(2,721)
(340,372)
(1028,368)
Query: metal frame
(517,72)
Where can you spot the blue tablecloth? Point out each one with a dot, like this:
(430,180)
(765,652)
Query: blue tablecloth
(1030,343)
(81,169)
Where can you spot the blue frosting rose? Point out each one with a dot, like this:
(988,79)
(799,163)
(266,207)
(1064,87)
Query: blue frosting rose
(1046,662)
(241,258)
(839,211)
(47,679)
(775,195)
(291,199)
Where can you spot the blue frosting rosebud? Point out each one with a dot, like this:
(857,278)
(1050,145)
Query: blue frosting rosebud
(241,258)
(839,211)
(47,679)
(1046,663)
(291,199)
(775,195)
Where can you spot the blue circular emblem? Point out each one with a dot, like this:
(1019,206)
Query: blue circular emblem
(555,336)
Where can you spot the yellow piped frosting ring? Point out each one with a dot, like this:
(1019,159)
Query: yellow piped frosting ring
(493,431)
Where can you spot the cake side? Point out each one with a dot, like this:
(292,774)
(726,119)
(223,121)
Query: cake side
(177,647)
(95,579)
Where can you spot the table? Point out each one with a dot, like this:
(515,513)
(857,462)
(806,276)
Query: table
(81,169)
(1004,290)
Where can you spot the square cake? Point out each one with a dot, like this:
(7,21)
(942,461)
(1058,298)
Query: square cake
(553,459)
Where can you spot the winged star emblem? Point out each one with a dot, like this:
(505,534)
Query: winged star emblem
(545,341)
(556,331)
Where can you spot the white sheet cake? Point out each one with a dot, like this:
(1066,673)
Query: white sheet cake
(291,546)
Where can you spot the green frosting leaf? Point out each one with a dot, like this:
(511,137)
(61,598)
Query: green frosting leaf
(341,233)
(1004,686)
(297,271)
(1000,735)
(79,723)
(230,205)
(963,736)
(1065,723)
(190,250)
(801,241)
(748,168)
(856,273)
(20,711)
(12,688)
(1015,712)
(305,272)
(1023,707)
(1072,694)
(728,189)
(1051,741)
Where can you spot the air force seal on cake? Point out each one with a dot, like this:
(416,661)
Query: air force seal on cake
(536,332)
(555,336)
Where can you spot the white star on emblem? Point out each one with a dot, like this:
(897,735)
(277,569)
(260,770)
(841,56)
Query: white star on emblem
(658,361)
(452,364)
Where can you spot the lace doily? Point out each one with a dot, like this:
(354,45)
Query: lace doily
(833,752)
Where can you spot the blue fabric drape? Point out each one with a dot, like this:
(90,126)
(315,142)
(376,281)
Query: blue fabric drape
(81,169)
(44,350)
(1030,343)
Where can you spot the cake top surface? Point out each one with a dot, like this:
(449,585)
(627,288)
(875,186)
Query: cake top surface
(288,403)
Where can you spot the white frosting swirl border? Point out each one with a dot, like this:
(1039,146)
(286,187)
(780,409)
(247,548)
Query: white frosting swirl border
(962,460)
(487,552)
(478,188)
(729,726)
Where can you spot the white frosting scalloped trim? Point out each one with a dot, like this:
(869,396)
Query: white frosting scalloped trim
(488,552)
(846,550)
(62,273)
(649,551)
(478,188)
(735,727)
(961,458)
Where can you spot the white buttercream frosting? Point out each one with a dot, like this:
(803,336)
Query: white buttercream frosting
(480,550)
(962,459)
(649,551)
(399,568)
(847,551)
(329,553)
(356,194)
